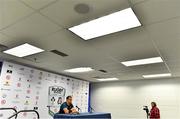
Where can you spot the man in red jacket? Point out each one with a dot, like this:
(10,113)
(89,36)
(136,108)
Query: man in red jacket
(154,113)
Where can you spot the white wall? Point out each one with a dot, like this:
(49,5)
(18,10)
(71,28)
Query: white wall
(25,88)
(125,99)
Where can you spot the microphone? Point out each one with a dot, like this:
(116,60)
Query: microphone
(79,109)
(146,109)
(48,107)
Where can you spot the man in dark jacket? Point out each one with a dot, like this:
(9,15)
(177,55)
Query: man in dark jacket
(67,107)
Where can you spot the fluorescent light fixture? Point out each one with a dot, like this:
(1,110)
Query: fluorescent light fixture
(143,61)
(23,50)
(115,22)
(79,70)
(108,79)
(157,75)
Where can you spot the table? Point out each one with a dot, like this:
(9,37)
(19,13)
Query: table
(94,115)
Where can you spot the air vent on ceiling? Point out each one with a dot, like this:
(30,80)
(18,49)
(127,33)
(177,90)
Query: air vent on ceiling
(97,77)
(59,53)
(101,70)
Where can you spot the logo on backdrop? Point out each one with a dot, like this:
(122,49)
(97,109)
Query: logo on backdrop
(40,73)
(56,90)
(4,95)
(3,102)
(56,95)
(8,77)
(18,90)
(18,85)
(32,71)
(7,83)
(1,115)
(30,76)
(22,68)
(9,71)
(5,89)
(10,66)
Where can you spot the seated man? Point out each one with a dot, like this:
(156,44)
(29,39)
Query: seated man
(67,107)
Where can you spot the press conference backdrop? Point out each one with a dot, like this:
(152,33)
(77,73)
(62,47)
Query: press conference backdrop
(28,88)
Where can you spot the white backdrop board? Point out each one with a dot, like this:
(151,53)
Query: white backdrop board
(28,88)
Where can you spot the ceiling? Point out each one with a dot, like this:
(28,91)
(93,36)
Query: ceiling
(44,23)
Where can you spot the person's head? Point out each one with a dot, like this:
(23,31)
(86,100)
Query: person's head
(153,104)
(69,99)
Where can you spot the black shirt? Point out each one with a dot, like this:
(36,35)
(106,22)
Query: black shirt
(65,105)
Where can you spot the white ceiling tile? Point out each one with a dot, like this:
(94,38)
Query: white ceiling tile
(34,26)
(158,68)
(136,1)
(166,36)
(3,39)
(113,68)
(157,10)
(37,4)
(128,45)
(175,68)
(165,31)
(64,40)
(80,53)
(129,76)
(11,11)
(63,11)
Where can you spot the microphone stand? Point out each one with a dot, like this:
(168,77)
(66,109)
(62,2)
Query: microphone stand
(147,116)
(51,113)
(79,109)
(147,111)
(91,109)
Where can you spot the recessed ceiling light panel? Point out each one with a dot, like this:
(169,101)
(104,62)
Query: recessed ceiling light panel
(115,22)
(108,79)
(79,70)
(157,75)
(143,61)
(23,50)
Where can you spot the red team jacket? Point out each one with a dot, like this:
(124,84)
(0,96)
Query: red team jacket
(154,113)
